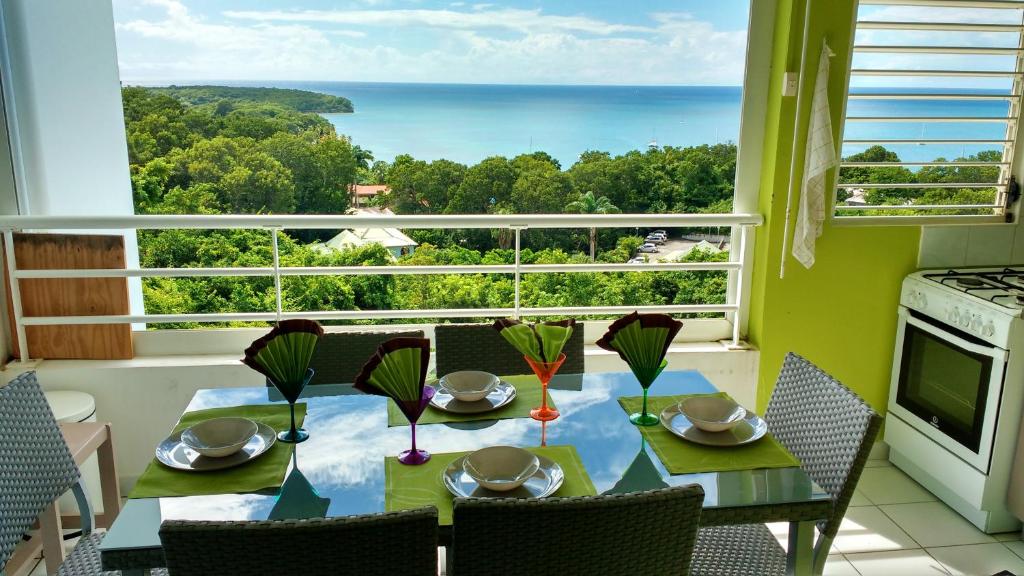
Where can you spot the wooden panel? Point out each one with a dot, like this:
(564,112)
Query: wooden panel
(73,296)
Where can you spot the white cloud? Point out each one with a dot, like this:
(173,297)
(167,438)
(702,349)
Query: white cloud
(524,21)
(481,46)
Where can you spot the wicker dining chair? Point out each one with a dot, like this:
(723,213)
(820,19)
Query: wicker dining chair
(831,430)
(481,347)
(36,468)
(340,355)
(389,544)
(650,533)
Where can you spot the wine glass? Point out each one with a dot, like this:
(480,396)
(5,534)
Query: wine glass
(291,391)
(413,410)
(643,418)
(544,371)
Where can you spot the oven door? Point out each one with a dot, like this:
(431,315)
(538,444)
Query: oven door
(947,385)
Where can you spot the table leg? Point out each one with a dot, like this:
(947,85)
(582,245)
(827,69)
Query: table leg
(800,560)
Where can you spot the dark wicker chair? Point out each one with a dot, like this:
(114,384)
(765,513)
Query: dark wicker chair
(831,430)
(480,347)
(340,355)
(35,469)
(390,544)
(650,533)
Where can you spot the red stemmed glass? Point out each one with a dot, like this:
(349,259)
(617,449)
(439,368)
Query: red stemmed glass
(544,371)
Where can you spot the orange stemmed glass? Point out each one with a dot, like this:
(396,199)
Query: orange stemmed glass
(544,371)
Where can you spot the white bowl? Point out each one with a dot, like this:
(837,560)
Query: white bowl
(501,468)
(712,413)
(219,437)
(470,385)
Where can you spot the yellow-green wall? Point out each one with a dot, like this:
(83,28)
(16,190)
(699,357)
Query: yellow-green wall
(840,314)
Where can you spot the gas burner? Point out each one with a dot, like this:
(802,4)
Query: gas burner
(969,282)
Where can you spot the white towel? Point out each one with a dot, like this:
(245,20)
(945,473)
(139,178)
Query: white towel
(821,155)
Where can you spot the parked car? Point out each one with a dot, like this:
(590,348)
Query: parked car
(636,260)
(654,239)
(648,248)
(660,233)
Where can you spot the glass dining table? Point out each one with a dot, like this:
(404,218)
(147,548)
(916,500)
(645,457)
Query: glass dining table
(349,439)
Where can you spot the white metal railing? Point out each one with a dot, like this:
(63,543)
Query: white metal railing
(740,223)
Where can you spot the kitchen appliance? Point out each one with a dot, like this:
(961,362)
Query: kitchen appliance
(957,387)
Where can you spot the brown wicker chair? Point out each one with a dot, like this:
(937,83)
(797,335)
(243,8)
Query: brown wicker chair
(480,347)
(391,544)
(340,355)
(650,533)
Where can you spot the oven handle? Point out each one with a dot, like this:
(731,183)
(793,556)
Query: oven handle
(993,351)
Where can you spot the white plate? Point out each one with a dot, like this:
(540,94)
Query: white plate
(752,428)
(498,398)
(174,453)
(544,482)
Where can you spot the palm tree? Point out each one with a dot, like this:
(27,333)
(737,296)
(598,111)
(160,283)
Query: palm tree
(590,204)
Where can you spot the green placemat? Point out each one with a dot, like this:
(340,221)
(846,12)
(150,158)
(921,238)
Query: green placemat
(682,457)
(409,487)
(527,398)
(267,471)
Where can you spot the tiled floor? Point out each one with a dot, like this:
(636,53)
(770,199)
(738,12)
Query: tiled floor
(896,527)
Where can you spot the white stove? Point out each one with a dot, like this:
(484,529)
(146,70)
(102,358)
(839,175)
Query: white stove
(957,387)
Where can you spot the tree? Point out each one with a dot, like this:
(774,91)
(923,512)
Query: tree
(587,203)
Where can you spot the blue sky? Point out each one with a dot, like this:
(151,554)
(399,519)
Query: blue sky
(645,42)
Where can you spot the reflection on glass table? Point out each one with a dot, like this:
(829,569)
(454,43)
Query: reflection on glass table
(343,460)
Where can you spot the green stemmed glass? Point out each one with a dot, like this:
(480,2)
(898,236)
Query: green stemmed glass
(644,418)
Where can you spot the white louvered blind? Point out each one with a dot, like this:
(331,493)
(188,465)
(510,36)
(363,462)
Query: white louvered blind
(933,109)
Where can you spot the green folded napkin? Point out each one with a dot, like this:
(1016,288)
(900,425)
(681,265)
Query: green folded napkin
(409,487)
(528,392)
(683,457)
(266,471)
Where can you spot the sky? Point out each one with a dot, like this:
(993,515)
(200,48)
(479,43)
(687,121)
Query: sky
(643,42)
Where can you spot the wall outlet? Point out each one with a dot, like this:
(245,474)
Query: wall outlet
(790,83)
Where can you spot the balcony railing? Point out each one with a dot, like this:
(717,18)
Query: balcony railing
(740,223)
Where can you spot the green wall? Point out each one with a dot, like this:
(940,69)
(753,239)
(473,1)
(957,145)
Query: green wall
(840,314)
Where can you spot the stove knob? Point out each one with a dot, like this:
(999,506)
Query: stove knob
(922,301)
(965,320)
(953,315)
(976,323)
(988,329)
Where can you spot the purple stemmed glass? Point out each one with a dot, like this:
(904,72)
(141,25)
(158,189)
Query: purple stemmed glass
(413,410)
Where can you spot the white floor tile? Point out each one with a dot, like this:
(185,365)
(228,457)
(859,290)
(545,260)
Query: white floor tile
(1016,546)
(781,532)
(837,565)
(867,529)
(909,562)
(889,485)
(1007,536)
(39,570)
(978,559)
(877,464)
(859,499)
(935,524)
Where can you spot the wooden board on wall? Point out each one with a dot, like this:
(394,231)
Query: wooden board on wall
(73,296)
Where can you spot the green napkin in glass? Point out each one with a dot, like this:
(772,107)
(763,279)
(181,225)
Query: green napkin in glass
(266,471)
(682,457)
(409,487)
(528,392)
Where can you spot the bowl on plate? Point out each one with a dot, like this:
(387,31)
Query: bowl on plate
(501,468)
(219,437)
(470,385)
(712,413)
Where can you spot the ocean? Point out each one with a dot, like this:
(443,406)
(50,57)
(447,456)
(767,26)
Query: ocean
(469,122)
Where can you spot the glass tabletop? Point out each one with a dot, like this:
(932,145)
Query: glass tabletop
(349,438)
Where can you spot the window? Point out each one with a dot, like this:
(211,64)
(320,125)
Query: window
(932,110)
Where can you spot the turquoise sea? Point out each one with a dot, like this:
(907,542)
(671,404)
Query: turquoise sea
(469,122)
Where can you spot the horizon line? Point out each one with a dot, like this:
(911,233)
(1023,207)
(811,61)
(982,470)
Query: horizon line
(221,82)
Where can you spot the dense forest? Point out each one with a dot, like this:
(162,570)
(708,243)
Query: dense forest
(298,100)
(197,150)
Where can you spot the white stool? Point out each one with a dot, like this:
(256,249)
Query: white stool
(69,406)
